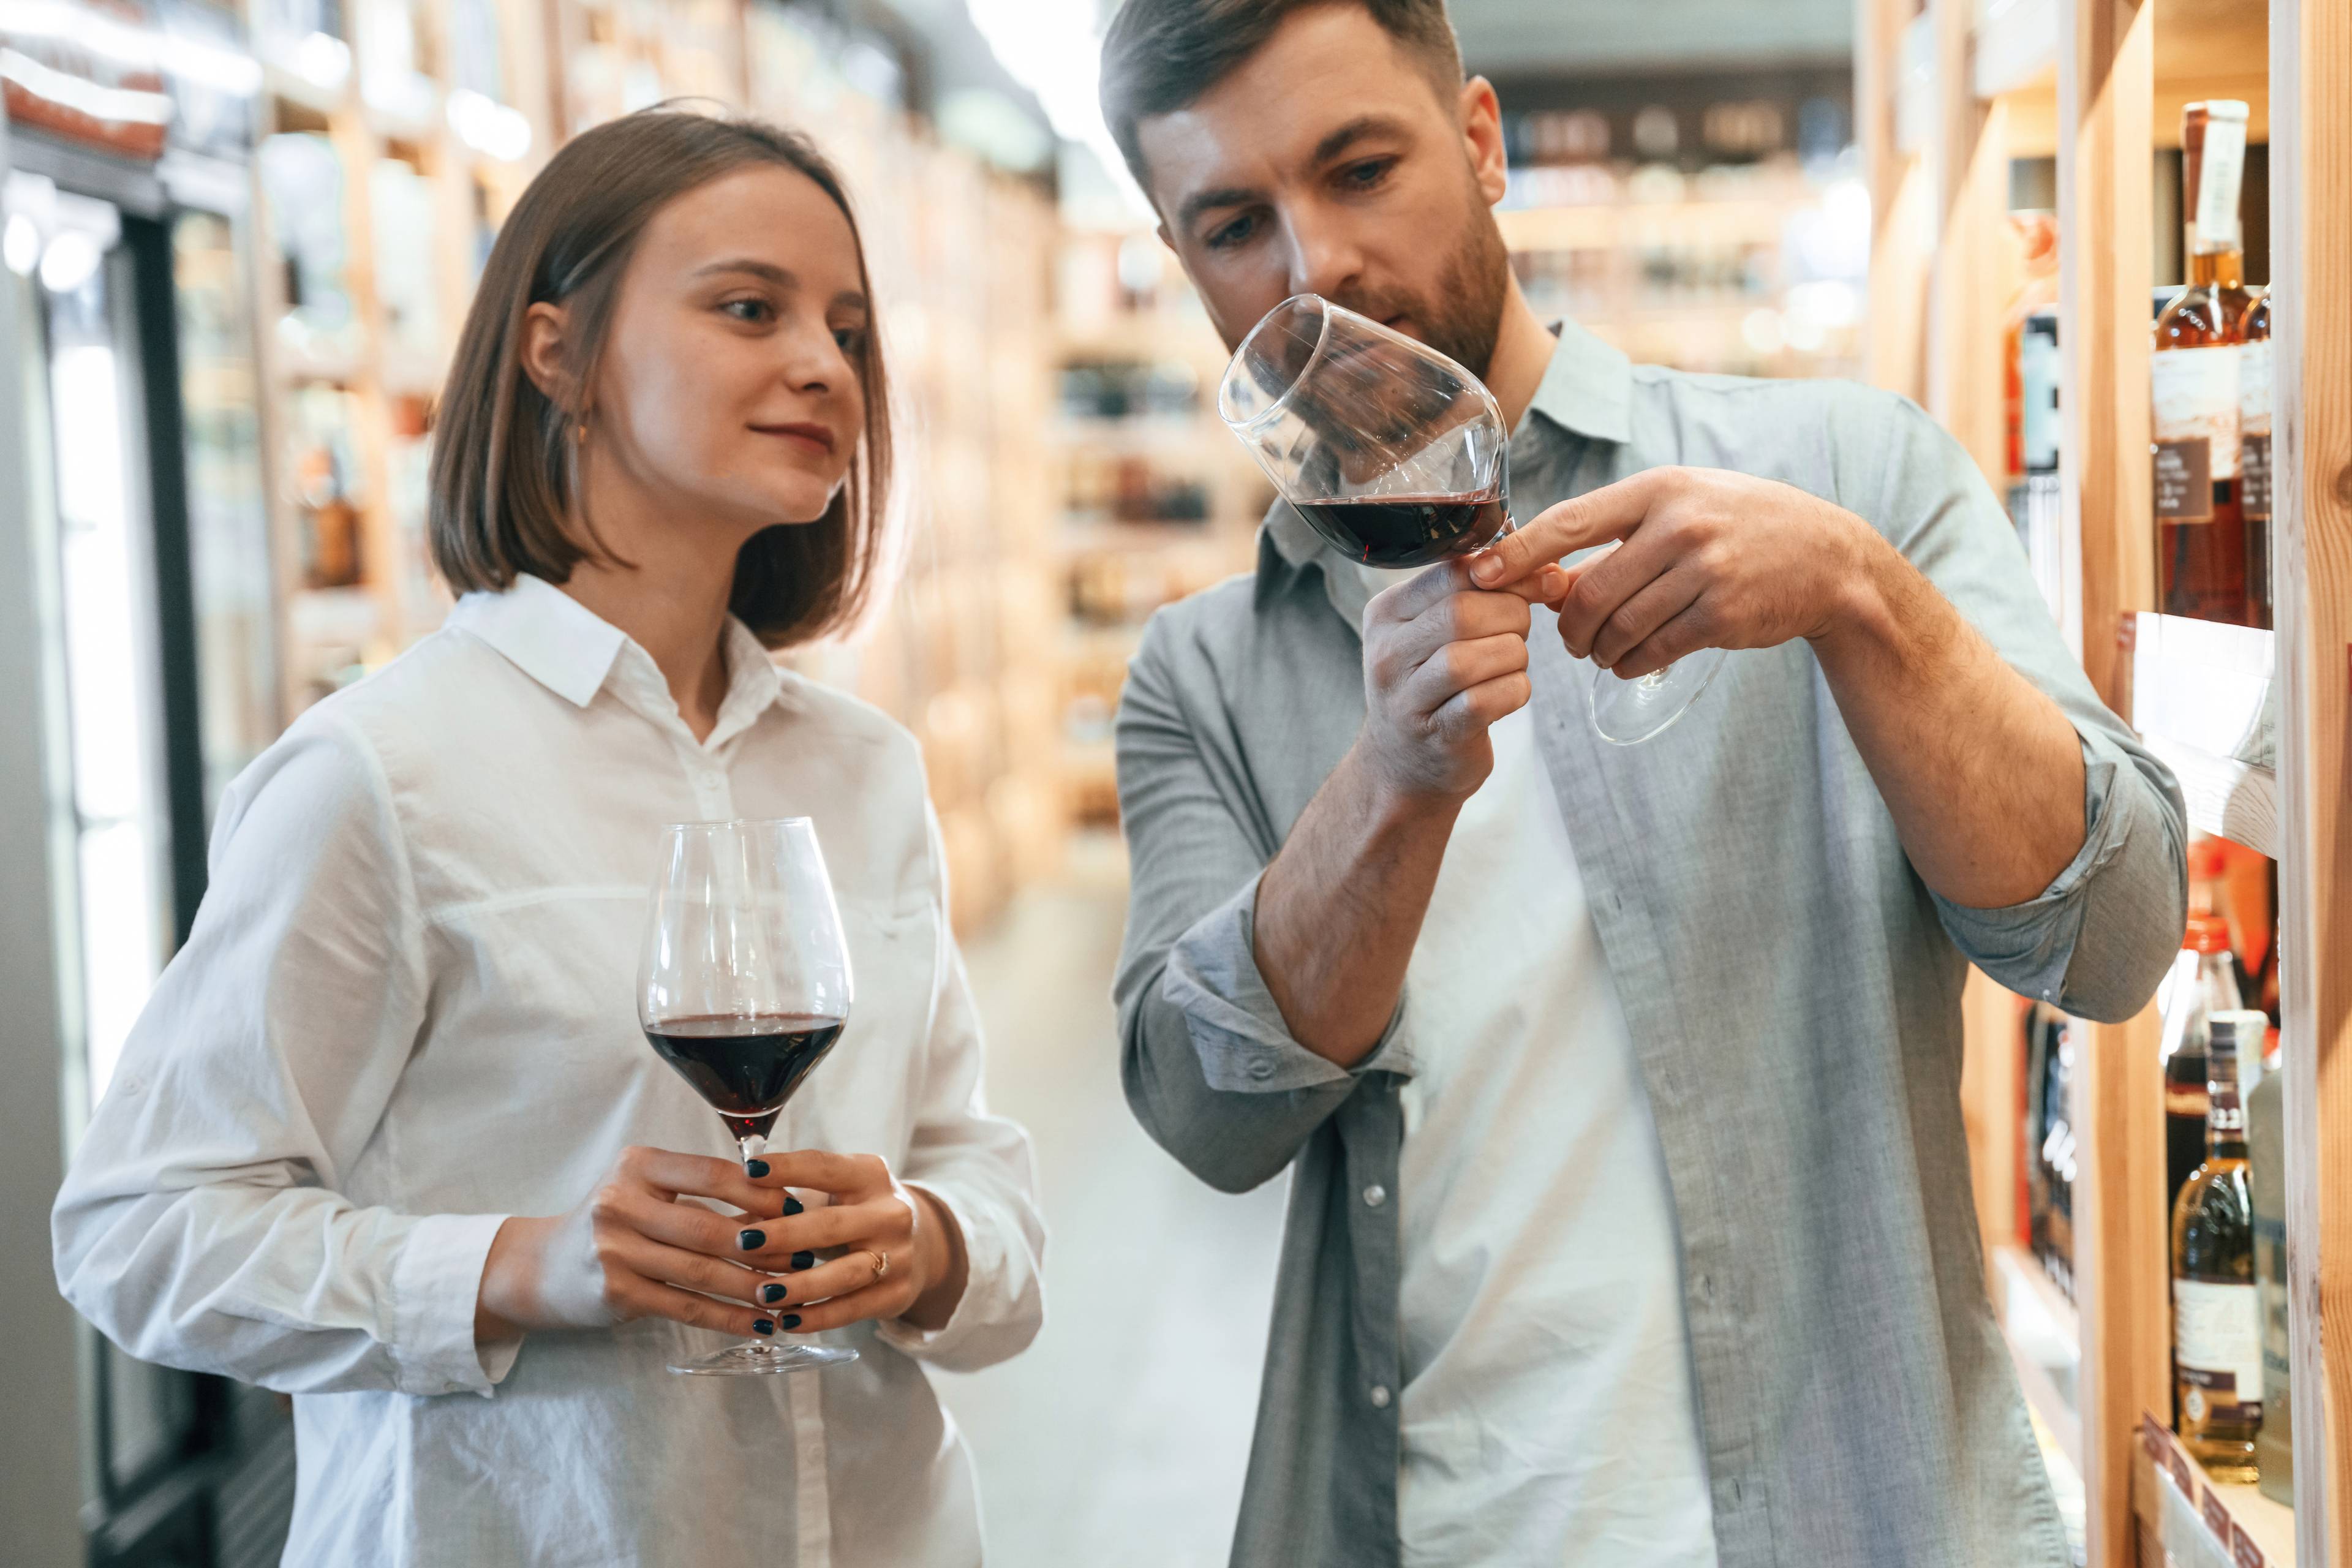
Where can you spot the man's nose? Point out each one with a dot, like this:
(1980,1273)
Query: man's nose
(1323,260)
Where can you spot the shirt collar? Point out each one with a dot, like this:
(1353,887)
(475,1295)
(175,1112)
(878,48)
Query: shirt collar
(1586,390)
(574,652)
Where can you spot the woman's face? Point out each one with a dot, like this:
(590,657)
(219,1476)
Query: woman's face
(728,388)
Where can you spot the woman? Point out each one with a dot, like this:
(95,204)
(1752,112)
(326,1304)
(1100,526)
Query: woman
(388,1137)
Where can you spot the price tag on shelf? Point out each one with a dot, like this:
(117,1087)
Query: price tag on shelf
(2244,1550)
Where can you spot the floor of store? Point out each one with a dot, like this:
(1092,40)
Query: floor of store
(1119,1440)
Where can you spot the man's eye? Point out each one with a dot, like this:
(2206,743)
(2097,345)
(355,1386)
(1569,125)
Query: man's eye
(1233,234)
(748,309)
(1368,175)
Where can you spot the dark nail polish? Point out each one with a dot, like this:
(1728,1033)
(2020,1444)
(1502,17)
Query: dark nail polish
(755,1168)
(751,1240)
(762,1326)
(792,1206)
(799,1259)
(791,1319)
(772,1294)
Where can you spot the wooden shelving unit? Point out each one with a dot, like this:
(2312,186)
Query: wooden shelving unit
(1948,92)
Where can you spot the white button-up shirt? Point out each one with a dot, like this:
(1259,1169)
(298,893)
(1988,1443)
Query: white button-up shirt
(407,1011)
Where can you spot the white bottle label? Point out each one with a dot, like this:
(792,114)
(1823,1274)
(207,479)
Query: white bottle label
(2219,175)
(2217,1338)
(2254,427)
(2194,421)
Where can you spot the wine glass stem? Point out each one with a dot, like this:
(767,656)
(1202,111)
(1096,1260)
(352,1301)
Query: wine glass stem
(754,1146)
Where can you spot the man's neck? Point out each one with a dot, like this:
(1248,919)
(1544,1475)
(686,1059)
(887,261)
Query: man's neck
(1523,350)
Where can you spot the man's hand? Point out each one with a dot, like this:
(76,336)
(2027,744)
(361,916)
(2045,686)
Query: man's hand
(1443,661)
(1709,559)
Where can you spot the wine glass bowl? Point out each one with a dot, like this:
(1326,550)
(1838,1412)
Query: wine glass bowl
(743,986)
(1393,454)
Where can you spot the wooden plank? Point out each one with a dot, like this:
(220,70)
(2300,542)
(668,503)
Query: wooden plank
(2311,183)
(1992,1069)
(1974,267)
(1900,214)
(2105,82)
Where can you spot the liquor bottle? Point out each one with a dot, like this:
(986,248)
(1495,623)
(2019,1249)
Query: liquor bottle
(2204,983)
(2266,1184)
(2201,555)
(2254,455)
(2217,1333)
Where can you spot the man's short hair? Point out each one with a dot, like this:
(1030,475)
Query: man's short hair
(1162,54)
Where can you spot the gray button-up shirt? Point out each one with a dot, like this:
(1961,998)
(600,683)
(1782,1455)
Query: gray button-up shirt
(1792,987)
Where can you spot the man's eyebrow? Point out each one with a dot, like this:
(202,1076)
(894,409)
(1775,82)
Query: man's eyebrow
(1209,201)
(1354,131)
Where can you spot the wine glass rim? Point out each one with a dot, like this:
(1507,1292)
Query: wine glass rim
(1323,308)
(738,823)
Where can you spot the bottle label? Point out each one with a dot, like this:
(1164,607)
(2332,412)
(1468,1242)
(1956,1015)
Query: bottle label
(2194,421)
(2254,428)
(2224,167)
(2217,1342)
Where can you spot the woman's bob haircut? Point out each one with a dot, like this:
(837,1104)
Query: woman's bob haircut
(506,458)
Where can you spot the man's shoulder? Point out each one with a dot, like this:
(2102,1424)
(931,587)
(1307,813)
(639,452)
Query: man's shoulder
(1775,396)
(1835,438)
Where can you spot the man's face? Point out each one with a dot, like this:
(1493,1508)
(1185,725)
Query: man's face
(1331,163)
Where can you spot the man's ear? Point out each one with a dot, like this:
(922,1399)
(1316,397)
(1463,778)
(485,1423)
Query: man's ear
(544,353)
(1481,113)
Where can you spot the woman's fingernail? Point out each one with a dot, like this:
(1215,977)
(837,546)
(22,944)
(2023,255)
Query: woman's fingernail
(792,1206)
(772,1294)
(755,1168)
(762,1326)
(804,1260)
(791,1319)
(751,1240)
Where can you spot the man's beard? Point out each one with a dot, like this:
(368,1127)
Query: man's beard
(1465,317)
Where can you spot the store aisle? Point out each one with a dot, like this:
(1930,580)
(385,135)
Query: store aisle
(1119,1440)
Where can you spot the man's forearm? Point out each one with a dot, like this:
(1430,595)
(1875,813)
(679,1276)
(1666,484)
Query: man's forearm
(1982,771)
(1339,909)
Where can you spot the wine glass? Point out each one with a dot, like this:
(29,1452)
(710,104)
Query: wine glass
(1396,456)
(743,986)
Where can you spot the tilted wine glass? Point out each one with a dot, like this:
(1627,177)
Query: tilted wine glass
(1396,456)
(743,986)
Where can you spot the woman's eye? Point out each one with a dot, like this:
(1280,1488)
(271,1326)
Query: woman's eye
(748,309)
(850,340)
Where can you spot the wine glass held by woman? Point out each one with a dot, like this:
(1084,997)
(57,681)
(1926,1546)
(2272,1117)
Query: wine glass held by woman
(389,1136)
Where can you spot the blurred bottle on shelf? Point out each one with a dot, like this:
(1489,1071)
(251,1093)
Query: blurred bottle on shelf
(2049,1142)
(2254,456)
(2204,983)
(2217,1334)
(324,465)
(2266,1184)
(2201,543)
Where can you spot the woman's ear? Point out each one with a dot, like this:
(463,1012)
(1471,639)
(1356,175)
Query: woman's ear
(545,355)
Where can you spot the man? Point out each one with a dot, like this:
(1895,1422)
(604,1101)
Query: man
(1629,1220)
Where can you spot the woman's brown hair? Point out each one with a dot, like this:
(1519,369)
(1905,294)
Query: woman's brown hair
(505,475)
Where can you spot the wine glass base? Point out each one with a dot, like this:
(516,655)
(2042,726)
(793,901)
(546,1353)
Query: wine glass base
(757,1358)
(1627,712)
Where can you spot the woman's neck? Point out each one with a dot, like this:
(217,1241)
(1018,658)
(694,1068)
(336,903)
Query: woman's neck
(672,601)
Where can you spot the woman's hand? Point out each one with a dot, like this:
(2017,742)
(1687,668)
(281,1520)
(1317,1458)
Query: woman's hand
(633,1250)
(871,1215)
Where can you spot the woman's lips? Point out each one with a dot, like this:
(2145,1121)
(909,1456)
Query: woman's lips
(816,437)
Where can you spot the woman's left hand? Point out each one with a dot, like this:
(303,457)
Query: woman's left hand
(900,1254)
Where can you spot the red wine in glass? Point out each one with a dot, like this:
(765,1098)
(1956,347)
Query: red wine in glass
(1408,530)
(746,1067)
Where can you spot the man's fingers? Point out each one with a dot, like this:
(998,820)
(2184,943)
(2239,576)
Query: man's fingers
(1613,512)
(1605,581)
(1685,634)
(1658,601)
(1467,712)
(1459,666)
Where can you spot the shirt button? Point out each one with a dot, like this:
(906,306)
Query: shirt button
(1261,1068)
(1375,1195)
(1380,1397)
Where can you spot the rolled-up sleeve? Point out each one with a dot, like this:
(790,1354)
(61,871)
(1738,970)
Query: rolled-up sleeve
(1210,1069)
(199,1226)
(2097,940)
(980,1169)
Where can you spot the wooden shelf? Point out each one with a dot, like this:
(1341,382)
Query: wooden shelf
(2204,700)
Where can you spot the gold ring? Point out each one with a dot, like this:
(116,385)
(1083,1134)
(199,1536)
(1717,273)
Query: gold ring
(881,1262)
